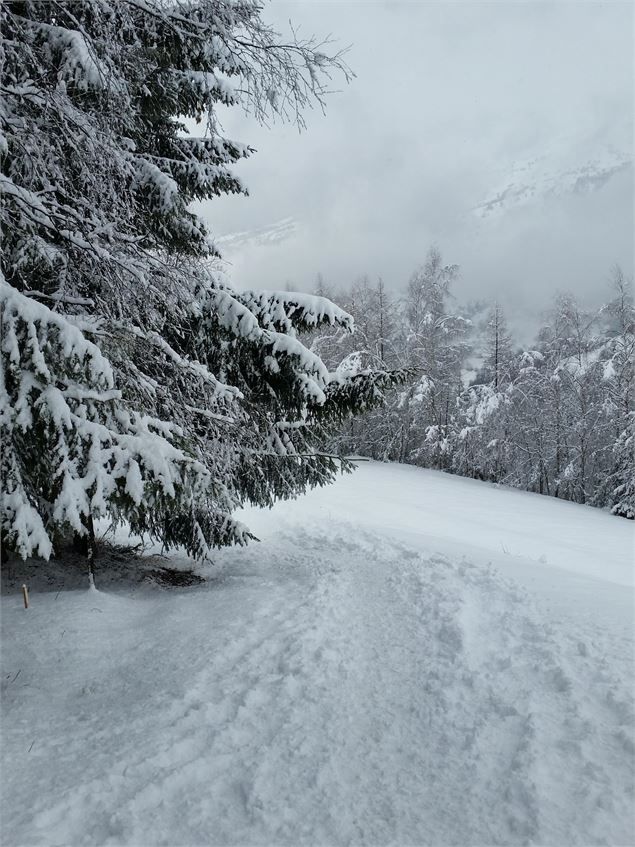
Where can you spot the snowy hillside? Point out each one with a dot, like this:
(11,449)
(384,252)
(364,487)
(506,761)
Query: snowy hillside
(262,237)
(560,172)
(405,658)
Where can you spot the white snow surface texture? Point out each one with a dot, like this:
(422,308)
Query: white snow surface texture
(406,658)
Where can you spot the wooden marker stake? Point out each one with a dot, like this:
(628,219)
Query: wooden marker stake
(25,595)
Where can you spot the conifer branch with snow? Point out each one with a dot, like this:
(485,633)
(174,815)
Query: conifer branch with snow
(137,384)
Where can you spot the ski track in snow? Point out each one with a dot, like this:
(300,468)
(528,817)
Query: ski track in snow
(331,686)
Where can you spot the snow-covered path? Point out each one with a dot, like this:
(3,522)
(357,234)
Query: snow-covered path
(334,685)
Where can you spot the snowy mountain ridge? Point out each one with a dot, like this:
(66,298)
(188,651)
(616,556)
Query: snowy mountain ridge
(264,236)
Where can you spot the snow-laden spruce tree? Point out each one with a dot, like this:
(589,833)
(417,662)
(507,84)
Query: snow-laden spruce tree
(136,383)
(617,361)
(622,480)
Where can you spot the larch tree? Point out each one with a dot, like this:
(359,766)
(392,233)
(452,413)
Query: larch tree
(498,351)
(437,346)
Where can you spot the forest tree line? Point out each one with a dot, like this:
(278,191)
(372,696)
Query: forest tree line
(556,418)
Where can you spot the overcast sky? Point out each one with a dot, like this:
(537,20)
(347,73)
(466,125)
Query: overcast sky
(501,131)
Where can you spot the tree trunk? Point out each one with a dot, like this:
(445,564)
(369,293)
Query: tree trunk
(90,550)
(86,546)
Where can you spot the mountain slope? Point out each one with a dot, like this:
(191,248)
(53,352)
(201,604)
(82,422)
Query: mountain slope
(559,173)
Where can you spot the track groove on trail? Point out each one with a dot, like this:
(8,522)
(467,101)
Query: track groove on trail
(331,689)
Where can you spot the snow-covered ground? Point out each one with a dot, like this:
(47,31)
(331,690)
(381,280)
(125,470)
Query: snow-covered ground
(405,658)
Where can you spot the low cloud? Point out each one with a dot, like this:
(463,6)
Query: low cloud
(501,132)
